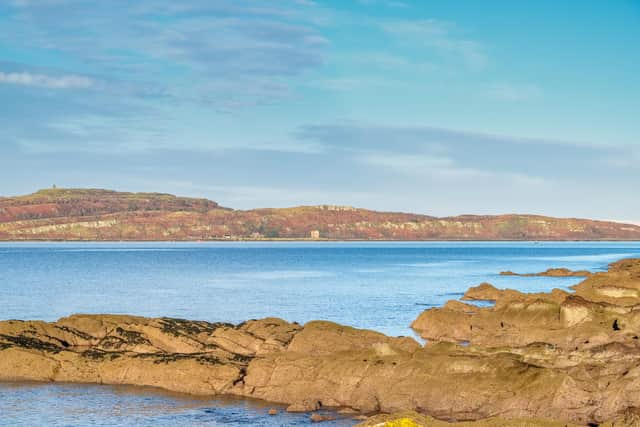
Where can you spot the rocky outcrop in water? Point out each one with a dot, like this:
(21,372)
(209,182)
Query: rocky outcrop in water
(174,354)
(552,272)
(563,356)
(586,341)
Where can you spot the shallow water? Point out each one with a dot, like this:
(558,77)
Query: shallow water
(32,404)
(381,286)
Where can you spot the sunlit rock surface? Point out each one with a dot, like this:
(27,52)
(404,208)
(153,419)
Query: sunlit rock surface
(413,419)
(567,357)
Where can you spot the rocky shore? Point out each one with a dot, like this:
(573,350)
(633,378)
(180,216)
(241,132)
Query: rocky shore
(564,357)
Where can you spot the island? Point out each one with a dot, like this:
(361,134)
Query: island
(104,215)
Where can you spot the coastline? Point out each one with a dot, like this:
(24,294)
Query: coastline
(273,345)
(94,214)
(305,240)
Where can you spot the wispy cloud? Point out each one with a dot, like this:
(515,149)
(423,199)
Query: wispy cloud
(432,155)
(353,83)
(230,52)
(387,3)
(441,36)
(432,170)
(412,148)
(306,2)
(45,81)
(90,77)
(513,92)
(446,169)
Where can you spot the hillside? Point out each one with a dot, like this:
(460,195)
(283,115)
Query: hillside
(88,214)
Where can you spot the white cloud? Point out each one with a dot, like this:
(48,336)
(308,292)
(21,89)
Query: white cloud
(444,168)
(306,2)
(442,37)
(349,84)
(408,163)
(71,81)
(224,51)
(514,92)
(387,3)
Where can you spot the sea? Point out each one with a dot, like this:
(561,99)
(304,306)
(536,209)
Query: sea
(373,285)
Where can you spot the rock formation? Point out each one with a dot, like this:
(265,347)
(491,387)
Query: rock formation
(552,272)
(587,341)
(563,356)
(414,419)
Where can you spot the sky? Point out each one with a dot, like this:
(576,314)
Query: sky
(435,107)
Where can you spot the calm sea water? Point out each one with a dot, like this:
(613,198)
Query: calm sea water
(382,286)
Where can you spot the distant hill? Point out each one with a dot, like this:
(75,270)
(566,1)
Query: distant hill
(91,214)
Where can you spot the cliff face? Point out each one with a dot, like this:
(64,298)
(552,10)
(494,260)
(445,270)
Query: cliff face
(85,214)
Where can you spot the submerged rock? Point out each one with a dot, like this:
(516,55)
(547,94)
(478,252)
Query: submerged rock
(569,357)
(317,418)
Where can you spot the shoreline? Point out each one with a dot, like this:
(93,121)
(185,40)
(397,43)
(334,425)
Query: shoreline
(319,241)
(309,367)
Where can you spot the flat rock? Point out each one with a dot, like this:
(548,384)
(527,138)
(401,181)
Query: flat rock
(552,272)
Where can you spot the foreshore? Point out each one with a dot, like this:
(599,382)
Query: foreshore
(540,359)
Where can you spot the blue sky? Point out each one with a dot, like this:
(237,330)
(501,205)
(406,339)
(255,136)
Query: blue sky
(438,107)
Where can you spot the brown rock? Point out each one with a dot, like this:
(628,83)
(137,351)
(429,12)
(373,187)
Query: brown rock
(584,319)
(367,372)
(571,357)
(413,419)
(305,405)
(619,286)
(552,272)
(590,334)
(488,292)
(317,418)
(483,292)
(631,418)
(273,411)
